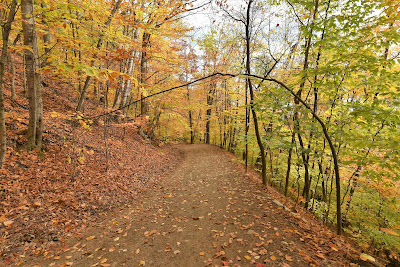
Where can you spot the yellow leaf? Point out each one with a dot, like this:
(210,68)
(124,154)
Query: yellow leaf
(202,253)
(273,258)
(366,257)
(90,237)
(142,263)
(104,260)
(247,257)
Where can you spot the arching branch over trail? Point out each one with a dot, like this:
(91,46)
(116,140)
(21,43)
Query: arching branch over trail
(284,86)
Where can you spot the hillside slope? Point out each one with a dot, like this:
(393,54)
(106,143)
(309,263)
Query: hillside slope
(48,195)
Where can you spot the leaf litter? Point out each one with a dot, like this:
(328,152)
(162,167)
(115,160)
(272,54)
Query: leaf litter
(241,224)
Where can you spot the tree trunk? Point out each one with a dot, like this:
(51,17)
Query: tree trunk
(88,80)
(289,164)
(307,182)
(190,117)
(6,29)
(143,70)
(210,102)
(34,134)
(250,86)
(12,65)
(46,38)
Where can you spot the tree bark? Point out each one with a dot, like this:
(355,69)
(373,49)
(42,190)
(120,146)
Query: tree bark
(46,39)
(33,78)
(12,65)
(210,102)
(6,29)
(143,70)
(250,87)
(289,164)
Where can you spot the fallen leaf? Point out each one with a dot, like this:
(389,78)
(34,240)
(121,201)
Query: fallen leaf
(150,233)
(90,237)
(273,258)
(202,253)
(8,222)
(366,257)
(333,247)
(288,258)
(389,231)
(142,263)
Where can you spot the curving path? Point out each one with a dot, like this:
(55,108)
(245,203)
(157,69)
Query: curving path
(208,212)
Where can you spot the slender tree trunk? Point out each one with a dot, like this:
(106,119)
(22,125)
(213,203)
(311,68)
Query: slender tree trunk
(128,83)
(307,182)
(118,90)
(289,164)
(190,116)
(210,102)
(46,39)
(246,135)
(12,65)
(6,29)
(33,77)
(143,70)
(88,80)
(250,87)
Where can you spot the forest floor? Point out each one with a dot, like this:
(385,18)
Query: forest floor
(207,212)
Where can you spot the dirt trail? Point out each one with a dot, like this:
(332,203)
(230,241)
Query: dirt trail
(206,213)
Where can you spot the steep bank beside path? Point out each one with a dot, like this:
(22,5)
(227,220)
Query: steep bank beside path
(208,212)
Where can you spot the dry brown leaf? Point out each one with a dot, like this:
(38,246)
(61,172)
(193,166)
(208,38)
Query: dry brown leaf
(90,237)
(288,258)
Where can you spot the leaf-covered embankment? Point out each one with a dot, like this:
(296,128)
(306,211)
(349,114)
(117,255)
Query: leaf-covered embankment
(46,196)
